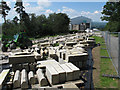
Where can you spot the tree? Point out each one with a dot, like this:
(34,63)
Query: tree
(24,17)
(4,9)
(59,22)
(111,13)
(15,20)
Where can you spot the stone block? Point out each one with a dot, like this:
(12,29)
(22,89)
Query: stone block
(59,69)
(71,86)
(16,67)
(15,59)
(24,80)
(16,80)
(51,73)
(41,79)
(31,77)
(3,76)
(69,72)
(76,71)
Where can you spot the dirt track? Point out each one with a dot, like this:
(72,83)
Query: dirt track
(96,65)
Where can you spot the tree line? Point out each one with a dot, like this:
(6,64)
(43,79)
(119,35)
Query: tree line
(34,26)
(111,13)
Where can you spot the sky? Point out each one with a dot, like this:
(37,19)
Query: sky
(73,8)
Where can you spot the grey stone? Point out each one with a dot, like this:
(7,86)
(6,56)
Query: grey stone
(31,77)
(14,59)
(69,72)
(3,76)
(16,67)
(16,81)
(51,73)
(76,70)
(71,85)
(41,79)
(24,80)
(59,69)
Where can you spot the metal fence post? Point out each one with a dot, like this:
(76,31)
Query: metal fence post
(110,44)
(119,59)
(119,54)
(106,39)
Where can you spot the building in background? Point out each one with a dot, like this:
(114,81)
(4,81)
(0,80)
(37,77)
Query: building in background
(80,23)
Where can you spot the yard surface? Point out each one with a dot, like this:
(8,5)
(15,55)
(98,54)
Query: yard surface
(103,66)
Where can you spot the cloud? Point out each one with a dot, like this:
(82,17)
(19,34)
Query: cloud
(26,4)
(43,3)
(95,16)
(38,9)
(96,12)
(49,11)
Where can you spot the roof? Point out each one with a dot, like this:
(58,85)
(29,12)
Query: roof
(80,19)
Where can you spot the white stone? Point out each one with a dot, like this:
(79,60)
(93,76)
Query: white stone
(3,76)
(24,80)
(59,69)
(16,81)
(31,77)
(69,72)
(41,79)
(76,70)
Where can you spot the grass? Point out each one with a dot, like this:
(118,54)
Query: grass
(106,67)
(115,35)
(0,36)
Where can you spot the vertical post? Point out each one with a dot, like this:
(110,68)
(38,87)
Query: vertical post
(110,44)
(119,54)
(119,60)
(106,36)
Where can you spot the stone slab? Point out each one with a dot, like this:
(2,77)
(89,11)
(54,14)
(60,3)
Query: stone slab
(41,79)
(71,86)
(75,69)
(16,80)
(69,72)
(51,74)
(31,77)
(14,59)
(3,76)
(59,69)
(24,80)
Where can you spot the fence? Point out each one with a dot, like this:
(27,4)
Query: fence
(112,40)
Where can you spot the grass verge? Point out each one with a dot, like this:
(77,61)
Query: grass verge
(114,34)
(106,67)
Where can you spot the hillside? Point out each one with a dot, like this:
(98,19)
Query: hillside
(98,24)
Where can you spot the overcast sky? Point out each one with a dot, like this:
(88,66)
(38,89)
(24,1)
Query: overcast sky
(73,8)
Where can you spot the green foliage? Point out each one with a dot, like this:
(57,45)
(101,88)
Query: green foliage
(106,67)
(111,13)
(36,26)
(4,9)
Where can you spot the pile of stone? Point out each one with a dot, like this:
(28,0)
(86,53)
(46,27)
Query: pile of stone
(49,74)
(45,65)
